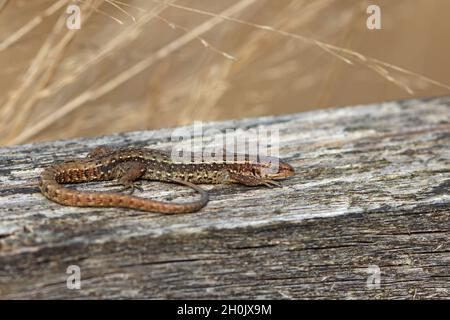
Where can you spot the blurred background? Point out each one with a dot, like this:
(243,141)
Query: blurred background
(144,64)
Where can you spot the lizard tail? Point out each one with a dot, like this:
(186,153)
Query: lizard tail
(53,190)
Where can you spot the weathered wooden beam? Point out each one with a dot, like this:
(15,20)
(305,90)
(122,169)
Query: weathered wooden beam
(371,191)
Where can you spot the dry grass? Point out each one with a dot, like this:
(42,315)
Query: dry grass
(147,64)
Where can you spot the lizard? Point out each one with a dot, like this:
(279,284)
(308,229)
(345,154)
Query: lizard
(127,165)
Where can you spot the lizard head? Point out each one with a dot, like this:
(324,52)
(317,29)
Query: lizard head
(272,169)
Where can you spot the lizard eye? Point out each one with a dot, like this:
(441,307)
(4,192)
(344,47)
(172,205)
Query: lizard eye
(255,172)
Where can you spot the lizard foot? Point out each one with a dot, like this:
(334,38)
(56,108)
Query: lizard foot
(130,187)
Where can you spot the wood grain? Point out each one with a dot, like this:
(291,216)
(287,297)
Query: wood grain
(371,189)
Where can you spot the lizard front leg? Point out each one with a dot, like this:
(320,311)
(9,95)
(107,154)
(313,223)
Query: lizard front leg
(252,180)
(127,173)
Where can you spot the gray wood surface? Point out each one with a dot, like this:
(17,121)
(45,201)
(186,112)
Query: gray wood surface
(371,191)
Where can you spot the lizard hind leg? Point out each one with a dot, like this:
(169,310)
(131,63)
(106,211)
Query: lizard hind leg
(127,173)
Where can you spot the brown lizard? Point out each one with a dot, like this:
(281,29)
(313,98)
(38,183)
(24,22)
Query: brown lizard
(128,165)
